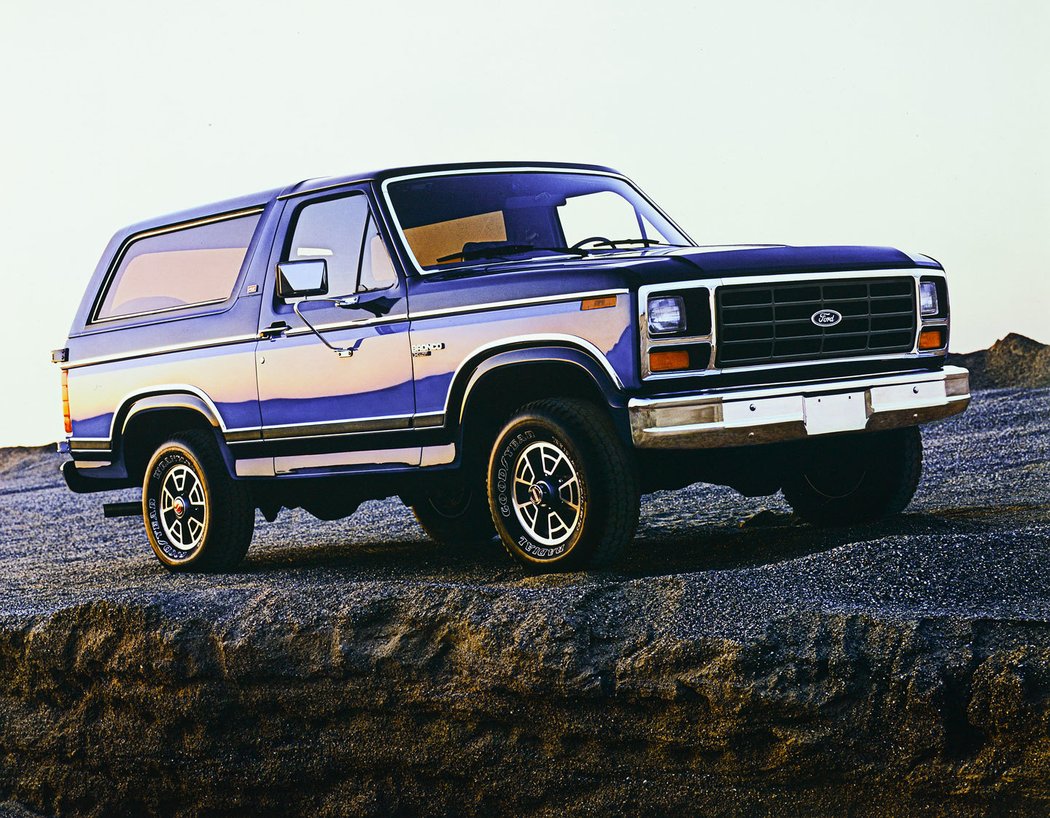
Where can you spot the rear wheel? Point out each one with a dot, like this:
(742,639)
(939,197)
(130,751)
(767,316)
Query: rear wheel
(855,479)
(563,490)
(197,517)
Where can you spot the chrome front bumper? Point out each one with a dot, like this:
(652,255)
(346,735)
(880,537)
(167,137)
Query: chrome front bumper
(743,416)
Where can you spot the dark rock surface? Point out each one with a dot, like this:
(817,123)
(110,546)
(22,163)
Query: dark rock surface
(1015,360)
(354,668)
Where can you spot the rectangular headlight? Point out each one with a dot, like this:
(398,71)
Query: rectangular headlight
(928,298)
(666,314)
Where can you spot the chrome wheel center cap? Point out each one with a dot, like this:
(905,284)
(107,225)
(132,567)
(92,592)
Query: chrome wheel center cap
(539,493)
(179,506)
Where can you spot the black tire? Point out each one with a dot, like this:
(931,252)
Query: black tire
(587,463)
(456,515)
(856,479)
(197,517)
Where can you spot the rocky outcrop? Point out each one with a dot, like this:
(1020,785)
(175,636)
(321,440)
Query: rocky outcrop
(1013,361)
(451,701)
(355,668)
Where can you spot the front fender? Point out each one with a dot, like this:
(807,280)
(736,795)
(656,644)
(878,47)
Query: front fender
(574,356)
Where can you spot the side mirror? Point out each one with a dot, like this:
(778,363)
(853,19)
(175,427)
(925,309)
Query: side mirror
(300,279)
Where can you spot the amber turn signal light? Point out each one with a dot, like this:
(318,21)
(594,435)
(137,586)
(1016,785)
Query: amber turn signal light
(931,338)
(668,359)
(598,302)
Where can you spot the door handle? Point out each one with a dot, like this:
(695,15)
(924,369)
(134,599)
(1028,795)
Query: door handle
(276,330)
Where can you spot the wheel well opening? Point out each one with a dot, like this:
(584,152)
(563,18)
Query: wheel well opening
(498,394)
(147,430)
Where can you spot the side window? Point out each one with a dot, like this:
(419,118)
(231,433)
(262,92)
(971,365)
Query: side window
(343,232)
(377,269)
(179,268)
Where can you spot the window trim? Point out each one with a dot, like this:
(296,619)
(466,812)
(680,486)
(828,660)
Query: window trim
(292,220)
(177,227)
(407,248)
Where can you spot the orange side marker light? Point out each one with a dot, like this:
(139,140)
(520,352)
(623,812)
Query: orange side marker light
(65,402)
(599,303)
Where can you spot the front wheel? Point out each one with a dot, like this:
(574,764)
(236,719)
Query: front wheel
(197,517)
(456,514)
(855,479)
(563,490)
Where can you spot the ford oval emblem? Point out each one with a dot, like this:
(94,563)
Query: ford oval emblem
(826,318)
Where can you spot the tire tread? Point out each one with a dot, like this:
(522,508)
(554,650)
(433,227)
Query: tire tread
(888,495)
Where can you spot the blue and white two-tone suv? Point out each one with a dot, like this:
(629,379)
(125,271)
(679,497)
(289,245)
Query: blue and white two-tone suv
(514,349)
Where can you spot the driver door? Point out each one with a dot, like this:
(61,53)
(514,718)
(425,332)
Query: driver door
(321,410)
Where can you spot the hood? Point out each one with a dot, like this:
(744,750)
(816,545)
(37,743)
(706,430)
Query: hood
(772,259)
(683,264)
(540,277)
(720,261)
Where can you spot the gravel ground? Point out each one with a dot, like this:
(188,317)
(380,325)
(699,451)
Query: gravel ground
(974,543)
(737,663)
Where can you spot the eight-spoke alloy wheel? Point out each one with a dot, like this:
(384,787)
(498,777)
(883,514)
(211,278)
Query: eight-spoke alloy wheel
(546,497)
(563,491)
(183,508)
(197,517)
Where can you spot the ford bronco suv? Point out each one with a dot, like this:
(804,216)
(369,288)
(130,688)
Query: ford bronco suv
(513,349)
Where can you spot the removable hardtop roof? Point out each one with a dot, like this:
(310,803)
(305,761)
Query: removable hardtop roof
(410,170)
(266,198)
(324,182)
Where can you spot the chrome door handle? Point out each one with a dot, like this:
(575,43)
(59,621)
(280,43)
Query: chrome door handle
(276,330)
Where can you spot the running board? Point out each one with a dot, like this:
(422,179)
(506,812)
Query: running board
(122,509)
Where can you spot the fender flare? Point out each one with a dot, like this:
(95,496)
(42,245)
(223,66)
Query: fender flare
(142,405)
(170,400)
(554,353)
(115,475)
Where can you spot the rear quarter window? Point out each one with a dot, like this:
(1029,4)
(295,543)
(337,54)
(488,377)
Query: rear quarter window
(177,268)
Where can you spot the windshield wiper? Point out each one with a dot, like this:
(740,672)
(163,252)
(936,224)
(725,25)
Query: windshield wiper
(504,250)
(647,242)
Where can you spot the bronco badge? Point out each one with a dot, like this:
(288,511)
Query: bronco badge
(826,318)
(420,350)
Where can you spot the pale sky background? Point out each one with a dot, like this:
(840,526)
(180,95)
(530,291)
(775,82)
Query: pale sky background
(921,125)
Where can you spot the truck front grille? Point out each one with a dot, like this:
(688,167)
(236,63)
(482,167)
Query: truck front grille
(772,323)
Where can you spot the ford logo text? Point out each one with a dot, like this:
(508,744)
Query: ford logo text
(826,318)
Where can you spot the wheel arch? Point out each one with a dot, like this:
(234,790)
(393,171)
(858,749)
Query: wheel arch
(146,422)
(508,378)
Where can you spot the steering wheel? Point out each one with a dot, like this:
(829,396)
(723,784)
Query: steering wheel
(588,240)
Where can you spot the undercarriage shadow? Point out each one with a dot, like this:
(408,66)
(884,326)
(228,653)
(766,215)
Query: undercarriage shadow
(689,548)
(729,547)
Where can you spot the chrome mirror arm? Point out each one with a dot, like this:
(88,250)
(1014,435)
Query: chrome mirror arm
(342,352)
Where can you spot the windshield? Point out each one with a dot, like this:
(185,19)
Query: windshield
(471,218)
